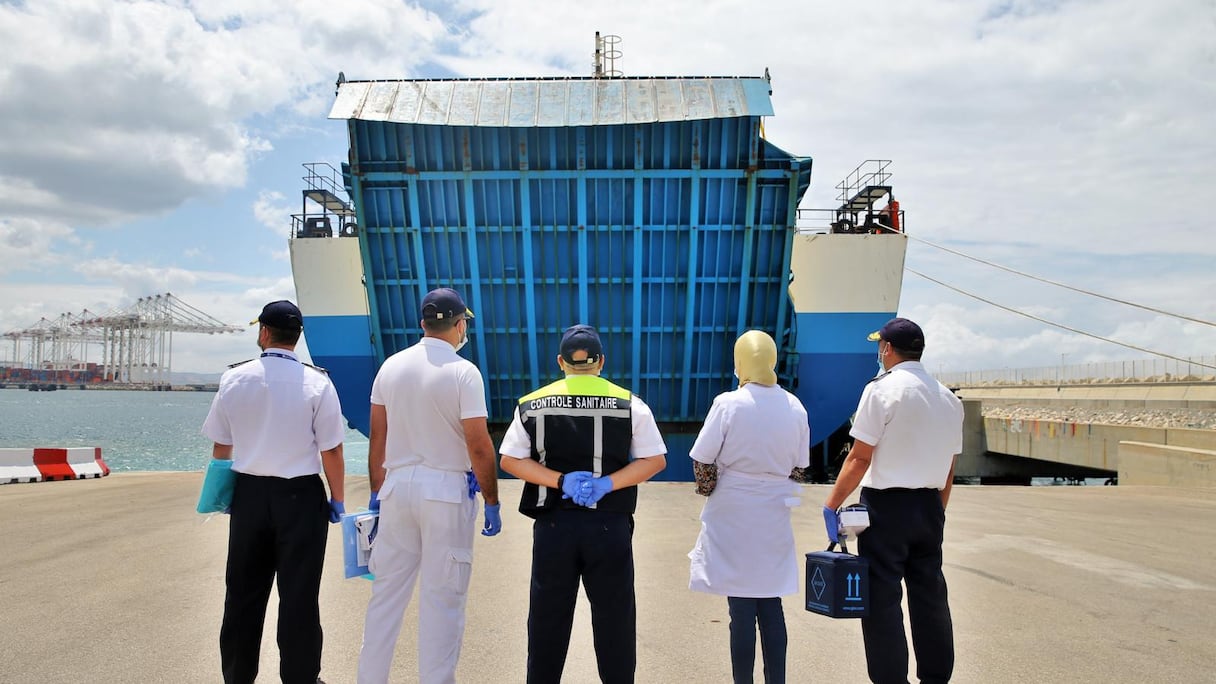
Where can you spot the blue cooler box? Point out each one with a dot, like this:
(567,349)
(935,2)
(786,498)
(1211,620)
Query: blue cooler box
(837,584)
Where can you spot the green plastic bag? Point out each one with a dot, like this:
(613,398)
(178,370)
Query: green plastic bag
(218,484)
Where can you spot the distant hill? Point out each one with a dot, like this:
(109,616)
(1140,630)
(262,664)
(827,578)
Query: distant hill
(194,378)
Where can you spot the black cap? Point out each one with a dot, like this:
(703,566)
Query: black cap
(444,303)
(901,334)
(281,314)
(582,337)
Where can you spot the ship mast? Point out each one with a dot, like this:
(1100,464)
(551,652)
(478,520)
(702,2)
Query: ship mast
(606,55)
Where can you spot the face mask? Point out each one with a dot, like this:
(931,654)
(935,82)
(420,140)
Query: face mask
(464,339)
(881,368)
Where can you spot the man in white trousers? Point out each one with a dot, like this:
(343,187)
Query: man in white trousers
(429,452)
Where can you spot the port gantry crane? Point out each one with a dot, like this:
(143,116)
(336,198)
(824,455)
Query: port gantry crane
(136,344)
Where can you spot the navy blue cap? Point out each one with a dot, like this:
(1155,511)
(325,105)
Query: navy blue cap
(281,314)
(443,304)
(582,337)
(901,334)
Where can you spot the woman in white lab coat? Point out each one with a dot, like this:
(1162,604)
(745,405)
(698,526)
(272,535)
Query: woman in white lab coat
(755,441)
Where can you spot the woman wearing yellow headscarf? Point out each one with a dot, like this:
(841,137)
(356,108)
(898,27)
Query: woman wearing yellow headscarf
(754,441)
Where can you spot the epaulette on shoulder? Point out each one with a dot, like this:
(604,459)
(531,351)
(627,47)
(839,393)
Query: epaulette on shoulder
(316,368)
(239,363)
(878,377)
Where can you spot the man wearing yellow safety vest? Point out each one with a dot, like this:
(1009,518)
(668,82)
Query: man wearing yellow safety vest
(581,445)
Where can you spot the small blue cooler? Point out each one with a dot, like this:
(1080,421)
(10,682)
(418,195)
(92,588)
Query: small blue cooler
(837,584)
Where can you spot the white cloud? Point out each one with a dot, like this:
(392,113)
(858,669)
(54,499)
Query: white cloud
(22,306)
(138,280)
(271,210)
(28,244)
(118,109)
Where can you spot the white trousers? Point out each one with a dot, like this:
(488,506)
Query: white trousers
(426,526)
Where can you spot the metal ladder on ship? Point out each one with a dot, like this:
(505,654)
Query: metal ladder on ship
(859,191)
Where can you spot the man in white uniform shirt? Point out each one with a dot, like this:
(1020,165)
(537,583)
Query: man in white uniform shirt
(280,422)
(428,442)
(907,431)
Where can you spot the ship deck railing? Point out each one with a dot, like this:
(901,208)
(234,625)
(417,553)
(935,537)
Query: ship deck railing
(829,221)
(325,190)
(871,173)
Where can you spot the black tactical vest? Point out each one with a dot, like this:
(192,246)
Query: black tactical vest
(581,422)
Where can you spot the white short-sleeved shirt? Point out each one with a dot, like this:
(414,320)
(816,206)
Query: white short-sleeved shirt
(277,414)
(915,424)
(427,390)
(756,430)
(646,440)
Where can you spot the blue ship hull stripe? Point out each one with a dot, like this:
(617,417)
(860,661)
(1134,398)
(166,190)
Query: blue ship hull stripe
(837,333)
(338,336)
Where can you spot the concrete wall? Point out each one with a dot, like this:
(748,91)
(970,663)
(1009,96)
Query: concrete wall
(1142,463)
(976,459)
(1098,396)
(1084,445)
(1012,448)
(974,444)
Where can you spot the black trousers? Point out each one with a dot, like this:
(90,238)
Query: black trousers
(596,546)
(904,542)
(745,614)
(278,527)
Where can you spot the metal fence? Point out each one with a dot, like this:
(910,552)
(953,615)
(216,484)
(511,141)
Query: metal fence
(1194,369)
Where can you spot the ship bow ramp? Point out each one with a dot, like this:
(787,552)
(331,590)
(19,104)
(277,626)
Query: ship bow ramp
(651,208)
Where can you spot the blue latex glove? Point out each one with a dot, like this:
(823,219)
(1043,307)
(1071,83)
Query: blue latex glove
(493,521)
(471,481)
(599,487)
(336,511)
(831,521)
(572,484)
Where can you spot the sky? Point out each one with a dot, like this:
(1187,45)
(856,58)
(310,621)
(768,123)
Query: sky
(150,147)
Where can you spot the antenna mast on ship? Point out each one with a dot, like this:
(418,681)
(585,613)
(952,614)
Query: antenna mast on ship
(606,55)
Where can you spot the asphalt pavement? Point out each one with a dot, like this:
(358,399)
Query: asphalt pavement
(118,580)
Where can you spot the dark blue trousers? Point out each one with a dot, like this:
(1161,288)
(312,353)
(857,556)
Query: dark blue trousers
(904,543)
(278,528)
(745,614)
(596,547)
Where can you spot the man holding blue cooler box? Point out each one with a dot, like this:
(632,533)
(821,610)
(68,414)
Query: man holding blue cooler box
(907,431)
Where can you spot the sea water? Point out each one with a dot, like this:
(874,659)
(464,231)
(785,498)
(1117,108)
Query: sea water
(153,430)
(135,430)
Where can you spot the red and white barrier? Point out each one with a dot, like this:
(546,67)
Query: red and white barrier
(17,465)
(86,462)
(39,464)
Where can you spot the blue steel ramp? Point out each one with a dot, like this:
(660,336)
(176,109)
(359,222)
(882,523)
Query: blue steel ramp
(670,234)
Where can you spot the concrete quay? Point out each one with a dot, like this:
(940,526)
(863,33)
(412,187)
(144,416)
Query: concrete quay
(1147,433)
(118,580)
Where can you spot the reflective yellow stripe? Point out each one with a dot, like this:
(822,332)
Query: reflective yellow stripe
(584,385)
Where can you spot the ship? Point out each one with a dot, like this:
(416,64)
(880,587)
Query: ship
(653,208)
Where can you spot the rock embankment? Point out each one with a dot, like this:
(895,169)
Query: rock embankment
(978,379)
(1194,419)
